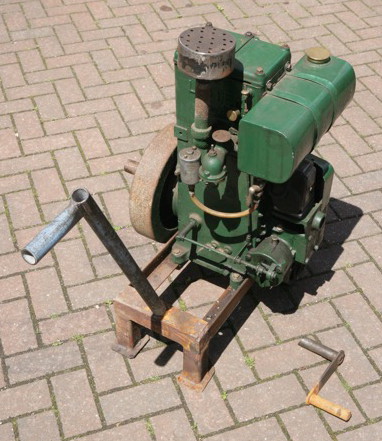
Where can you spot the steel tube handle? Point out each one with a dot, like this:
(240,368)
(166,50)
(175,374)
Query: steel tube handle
(51,234)
(83,205)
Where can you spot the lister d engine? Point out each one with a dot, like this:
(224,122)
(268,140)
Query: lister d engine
(233,186)
(243,189)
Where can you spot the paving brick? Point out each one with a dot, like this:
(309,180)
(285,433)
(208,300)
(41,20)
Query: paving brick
(23,210)
(156,362)
(89,107)
(303,424)
(265,429)
(48,185)
(112,125)
(30,427)
(337,256)
(103,360)
(49,75)
(356,369)
(31,60)
(361,319)
(43,362)
(96,292)
(130,107)
(105,60)
(49,143)
(99,10)
(16,328)
(364,433)
(49,107)
(9,142)
(75,403)
(15,106)
(87,75)
(77,323)
(71,163)
(361,121)
(129,431)
(281,359)
(24,399)
(107,90)
(11,75)
(368,277)
(315,289)
(172,425)
(266,398)
(29,91)
(150,124)
(6,243)
(342,163)
(121,47)
(6,432)
(11,287)
(147,398)
(371,245)
(69,92)
(92,143)
(88,46)
(349,229)
(68,124)
(305,320)
(97,184)
(12,263)
(208,409)
(46,293)
(28,125)
(12,183)
(231,367)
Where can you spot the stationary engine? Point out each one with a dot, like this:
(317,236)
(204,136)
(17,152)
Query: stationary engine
(235,176)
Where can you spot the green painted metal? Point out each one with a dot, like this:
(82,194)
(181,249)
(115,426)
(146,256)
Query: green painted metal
(275,130)
(291,119)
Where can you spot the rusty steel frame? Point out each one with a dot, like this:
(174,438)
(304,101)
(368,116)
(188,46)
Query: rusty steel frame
(192,333)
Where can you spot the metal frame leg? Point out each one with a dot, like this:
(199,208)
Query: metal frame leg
(129,338)
(196,373)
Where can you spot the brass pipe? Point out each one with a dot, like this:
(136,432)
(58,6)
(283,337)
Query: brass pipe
(221,214)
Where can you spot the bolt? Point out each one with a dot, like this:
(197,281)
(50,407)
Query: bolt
(288,66)
(189,152)
(208,23)
(212,152)
(194,147)
(236,277)
(176,251)
(285,45)
(248,34)
(259,70)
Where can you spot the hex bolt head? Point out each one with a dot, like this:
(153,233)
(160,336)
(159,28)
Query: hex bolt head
(259,70)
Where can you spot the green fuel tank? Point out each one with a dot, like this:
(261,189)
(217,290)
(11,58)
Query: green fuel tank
(288,122)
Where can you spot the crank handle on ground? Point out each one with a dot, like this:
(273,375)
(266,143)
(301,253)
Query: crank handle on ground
(335,358)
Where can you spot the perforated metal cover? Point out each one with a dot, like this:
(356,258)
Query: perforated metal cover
(206,53)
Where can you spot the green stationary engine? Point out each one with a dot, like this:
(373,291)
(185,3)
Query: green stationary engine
(238,180)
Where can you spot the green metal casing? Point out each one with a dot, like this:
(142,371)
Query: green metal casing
(289,121)
(276,130)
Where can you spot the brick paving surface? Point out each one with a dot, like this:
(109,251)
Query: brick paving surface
(85,85)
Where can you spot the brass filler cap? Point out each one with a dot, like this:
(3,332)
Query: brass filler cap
(318,55)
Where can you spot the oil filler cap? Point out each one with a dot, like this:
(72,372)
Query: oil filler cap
(318,55)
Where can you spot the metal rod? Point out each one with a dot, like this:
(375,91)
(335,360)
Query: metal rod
(318,348)
(83,205)
(51,234)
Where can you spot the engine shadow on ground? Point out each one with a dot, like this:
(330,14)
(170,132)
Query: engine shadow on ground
(285,299)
